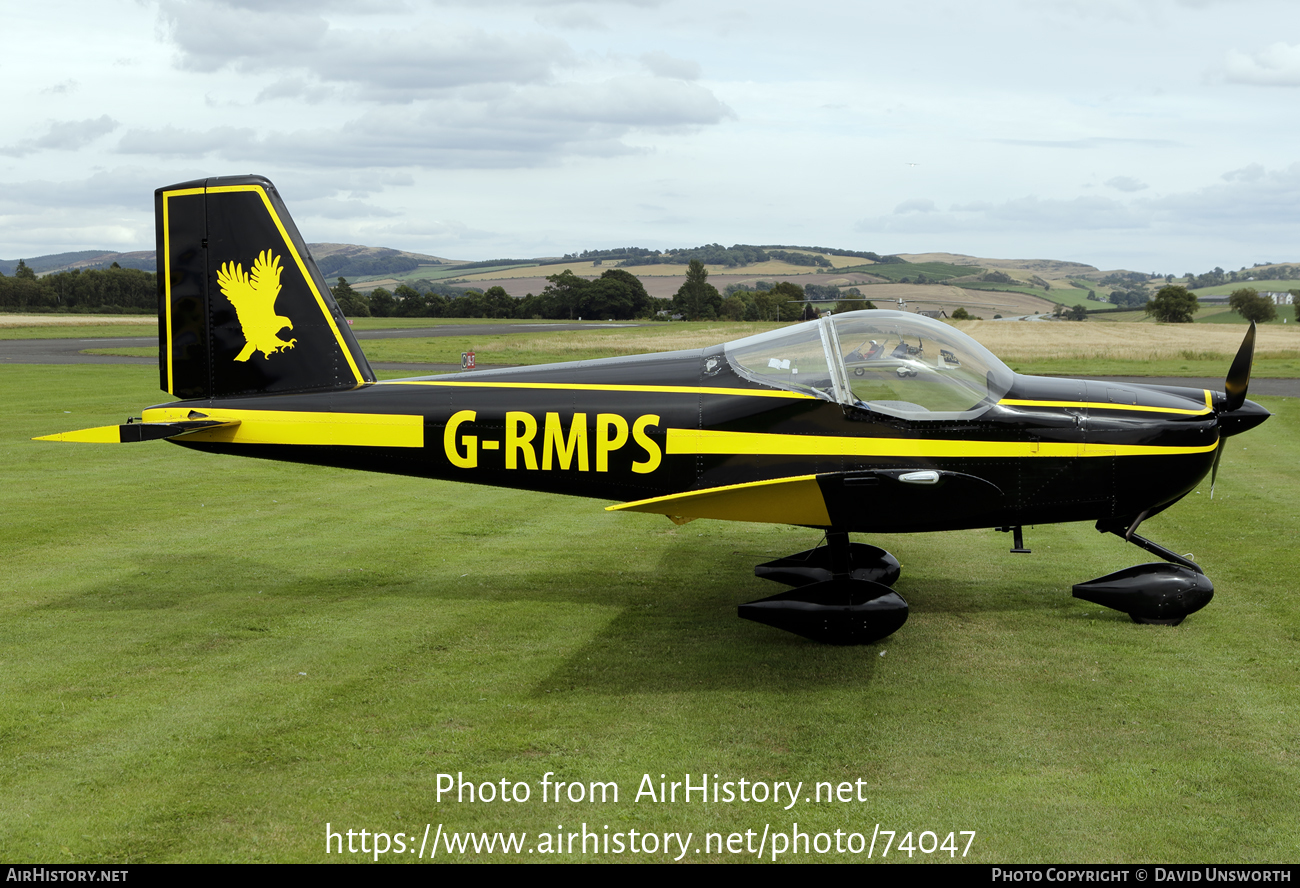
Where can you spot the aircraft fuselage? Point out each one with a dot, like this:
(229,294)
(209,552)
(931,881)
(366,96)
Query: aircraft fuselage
(658,429)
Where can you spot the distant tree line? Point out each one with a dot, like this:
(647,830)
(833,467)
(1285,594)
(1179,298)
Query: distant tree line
(615,294)
(114,290)
(616,253)
(709,254)
(1120,278)
(715,254)
(698,300)
(832,251)
(489,263)
(1129,298)
(1218,277)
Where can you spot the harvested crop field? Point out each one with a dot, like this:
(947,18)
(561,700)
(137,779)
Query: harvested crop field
(1126,342)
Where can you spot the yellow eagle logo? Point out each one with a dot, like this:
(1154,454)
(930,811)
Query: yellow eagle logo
(253,295)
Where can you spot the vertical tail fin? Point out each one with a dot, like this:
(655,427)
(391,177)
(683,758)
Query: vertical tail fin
(242,307)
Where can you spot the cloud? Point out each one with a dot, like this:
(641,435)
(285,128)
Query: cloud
(298,89)
(116,189)
(1250,173)
(1126,183)
(63,87)
(572,20)
(1276,65)
(518,128)
(1025,214)
(343,209)
(171,142)
(916,205)
(212,35)
(1249,198)
(1090,142)
(397,66)
(1246,209)
(661,64)
(68,135)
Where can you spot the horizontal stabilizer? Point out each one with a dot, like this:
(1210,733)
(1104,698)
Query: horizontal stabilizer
(796,500)
(133,432)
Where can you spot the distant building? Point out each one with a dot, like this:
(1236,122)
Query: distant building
(934,314)
(1278,298)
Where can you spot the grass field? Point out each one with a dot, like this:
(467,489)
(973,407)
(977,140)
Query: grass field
(1273,286)
(898,271)
(1092,349)
(1052,348)
(1286,316)
(75,326)
(1067,296)
(208,658)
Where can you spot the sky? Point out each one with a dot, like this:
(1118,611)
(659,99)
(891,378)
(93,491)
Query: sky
(1152,135)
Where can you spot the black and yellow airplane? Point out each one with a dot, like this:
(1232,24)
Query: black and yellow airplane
(866,422)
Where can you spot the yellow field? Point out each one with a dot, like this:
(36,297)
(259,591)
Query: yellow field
(60,320)
(1037,340)
(984,303)
(771,268)
(633,341)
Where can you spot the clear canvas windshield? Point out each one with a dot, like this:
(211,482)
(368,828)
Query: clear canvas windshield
(888,361)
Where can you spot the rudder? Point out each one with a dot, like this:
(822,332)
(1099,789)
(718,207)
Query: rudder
(242,307)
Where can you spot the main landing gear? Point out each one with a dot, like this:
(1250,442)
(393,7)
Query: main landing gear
(841,593)
(1160,594)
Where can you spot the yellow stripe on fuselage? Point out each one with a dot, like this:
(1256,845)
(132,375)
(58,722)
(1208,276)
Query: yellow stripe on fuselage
(703,442)
(303,428)
(1098,405)
(591,387)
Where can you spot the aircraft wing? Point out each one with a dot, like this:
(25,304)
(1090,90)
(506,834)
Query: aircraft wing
(897,499)
(793,500)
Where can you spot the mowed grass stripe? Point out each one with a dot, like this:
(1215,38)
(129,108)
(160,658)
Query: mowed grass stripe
(158,605)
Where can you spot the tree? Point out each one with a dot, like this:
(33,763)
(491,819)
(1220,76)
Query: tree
(1173,305)
(22,272)
(697,299)
(733,308)
(961,314)
(1250,305)
(351,303)
(639,303)
(382,303)
(1078,313)
(773,302)
(853,305)
(563,295)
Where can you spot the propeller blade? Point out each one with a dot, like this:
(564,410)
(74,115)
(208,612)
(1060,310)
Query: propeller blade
(1214,469)
(1239,373)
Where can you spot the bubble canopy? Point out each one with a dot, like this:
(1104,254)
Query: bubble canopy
(891,362)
